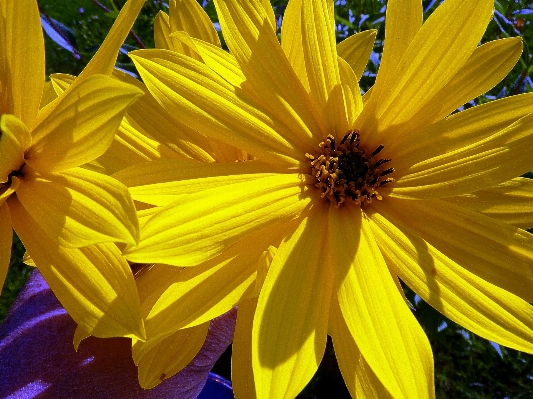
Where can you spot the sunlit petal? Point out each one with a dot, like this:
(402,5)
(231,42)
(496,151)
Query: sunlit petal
(477,305)
(387,334)
(162,30)
(14,141)
(356,49)
(189,16)
(221,217)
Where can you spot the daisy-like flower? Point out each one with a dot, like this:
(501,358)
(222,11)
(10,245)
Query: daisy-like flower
(56,207)
(355,194)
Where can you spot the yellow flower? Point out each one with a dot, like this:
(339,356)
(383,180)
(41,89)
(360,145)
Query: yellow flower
(355,193)
(55,206)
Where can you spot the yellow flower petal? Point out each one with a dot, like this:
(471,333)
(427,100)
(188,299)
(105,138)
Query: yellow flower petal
(434,56)
(242,377)
(487,310)
(162,31)
(71,206)
(94,284)
(189,16)
(170,355)
(356,49)
(104,60)
(508,202)
(162,182)
(291,319)
(319,48)
(459,130)
(253,42)
(291,39)
(81,126)
(359,378)
(6,236)
(485,68)
(353,101)
(387,334)
(181,42)
(497,252)
(14,141)
(21,60)
(404,20)
(221,62)
(147,116)
(474,167)
(221,217)
(199,98)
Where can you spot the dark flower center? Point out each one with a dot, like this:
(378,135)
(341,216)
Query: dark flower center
(345,171)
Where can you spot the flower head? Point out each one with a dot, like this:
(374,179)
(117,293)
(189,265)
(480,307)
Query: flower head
(354,193)
(56,206)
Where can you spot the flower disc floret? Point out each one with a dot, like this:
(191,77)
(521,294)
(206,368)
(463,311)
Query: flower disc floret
(347,172)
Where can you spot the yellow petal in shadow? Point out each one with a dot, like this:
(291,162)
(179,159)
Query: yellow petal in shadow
(189,16)
(508,202)
(71,206)
(169,356)
(291,319)
(21,60)
(82,125)
(94,284)
(242,376)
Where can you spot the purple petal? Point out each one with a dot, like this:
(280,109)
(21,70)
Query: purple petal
(37,357)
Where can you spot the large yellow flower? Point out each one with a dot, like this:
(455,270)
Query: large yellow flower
(55,206)
(356,193)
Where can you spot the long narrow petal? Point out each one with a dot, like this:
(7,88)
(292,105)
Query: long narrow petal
(356,49)
(82,125)
(487,310)
(485,68)
(353,101)
(387,334)
(459,130)
(509,202)
(359,378)
(72,206)
(319,48)
(291,319)
(192,296)
(170,355)
(104,60)
(147,116)
(252,40)
(437,52)
(189,16)
(6,236)
(291,40)
(477,166)
(22,60)
(202,225)
(403,21)
(242,376)
(221,62)
(164,181)
(94,284)
(497,252)
(162,31)
(201,99)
